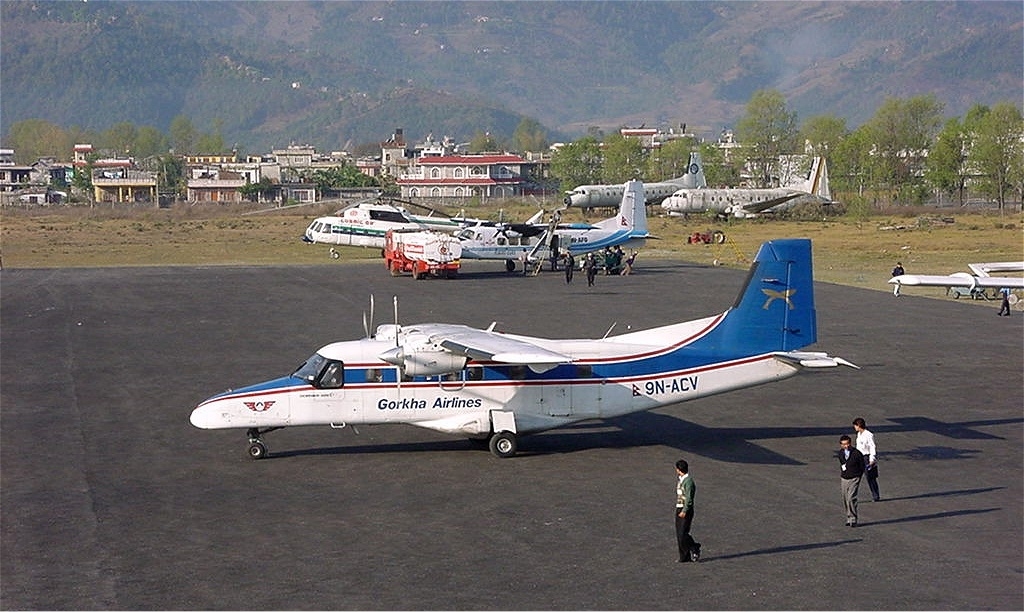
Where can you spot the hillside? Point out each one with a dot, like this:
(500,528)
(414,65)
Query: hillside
(334,73)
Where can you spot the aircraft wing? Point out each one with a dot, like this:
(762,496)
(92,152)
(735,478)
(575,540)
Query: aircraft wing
(959,279)
(757,207)
(488,345)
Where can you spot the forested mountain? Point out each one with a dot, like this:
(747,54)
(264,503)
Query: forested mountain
(333,74)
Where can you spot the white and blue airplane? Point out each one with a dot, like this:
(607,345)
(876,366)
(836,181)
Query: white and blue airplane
(627,229)
(494,386)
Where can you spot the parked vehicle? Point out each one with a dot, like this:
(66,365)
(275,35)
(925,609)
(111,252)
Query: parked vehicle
(422,253)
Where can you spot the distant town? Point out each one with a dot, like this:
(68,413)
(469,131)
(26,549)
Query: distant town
(433,169)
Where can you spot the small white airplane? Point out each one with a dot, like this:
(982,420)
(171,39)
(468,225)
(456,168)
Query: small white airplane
(495,386)
(627,229)
(744,203)
(365,224)
(980,279)
(593,196)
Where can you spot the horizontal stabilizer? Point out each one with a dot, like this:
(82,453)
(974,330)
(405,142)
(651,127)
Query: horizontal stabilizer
(806,359)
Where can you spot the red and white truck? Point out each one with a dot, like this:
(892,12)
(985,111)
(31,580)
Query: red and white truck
(422,253)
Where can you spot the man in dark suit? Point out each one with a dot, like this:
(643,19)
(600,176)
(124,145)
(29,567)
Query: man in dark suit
(851,462)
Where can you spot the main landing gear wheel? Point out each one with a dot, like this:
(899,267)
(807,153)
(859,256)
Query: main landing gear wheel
(503,444)
(510,266)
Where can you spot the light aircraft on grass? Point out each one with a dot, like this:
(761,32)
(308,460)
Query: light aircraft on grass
(979,279)
(593,196)
(744,203)
(627,229)
(495,386)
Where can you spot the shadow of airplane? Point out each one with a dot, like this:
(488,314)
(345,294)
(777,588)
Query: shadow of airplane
(779,549)
(944,494)
(727,444)
(927,517)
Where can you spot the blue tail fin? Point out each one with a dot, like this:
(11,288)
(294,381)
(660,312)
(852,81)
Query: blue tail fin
(775,308)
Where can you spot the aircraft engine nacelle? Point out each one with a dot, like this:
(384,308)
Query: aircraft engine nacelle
(424,360)
(431,363)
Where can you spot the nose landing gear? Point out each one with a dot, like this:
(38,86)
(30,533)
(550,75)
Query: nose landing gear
(257,449)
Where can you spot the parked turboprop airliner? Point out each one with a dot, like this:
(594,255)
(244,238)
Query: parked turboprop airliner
(627,229)
(744,203)
(592,196)
(485,384)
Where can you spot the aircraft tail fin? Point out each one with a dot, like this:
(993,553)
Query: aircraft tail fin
(694,177)
(775,308)
(816,182)
(632,210)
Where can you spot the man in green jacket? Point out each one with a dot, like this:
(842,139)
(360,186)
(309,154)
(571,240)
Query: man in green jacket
(685,490)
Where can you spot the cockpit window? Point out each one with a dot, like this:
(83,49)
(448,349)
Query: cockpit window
(333,376)
(321,372)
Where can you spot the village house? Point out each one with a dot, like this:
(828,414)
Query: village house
(496,175)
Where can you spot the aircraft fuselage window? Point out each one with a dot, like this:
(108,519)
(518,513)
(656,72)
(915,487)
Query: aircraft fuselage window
(475,373)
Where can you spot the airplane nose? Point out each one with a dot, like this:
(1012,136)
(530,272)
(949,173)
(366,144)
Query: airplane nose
(204,417)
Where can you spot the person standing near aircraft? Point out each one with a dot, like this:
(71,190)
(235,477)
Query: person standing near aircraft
(897,271)
(627,269)
(1004,308)
(685,490)
(851,463)
(866,446)
(570,263)
(591,267)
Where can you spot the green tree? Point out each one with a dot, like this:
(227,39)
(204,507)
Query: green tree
(821,134)
(623,159)
(946,167)
(35,138)
(901,132)
(149,141)
(483,141)
(257,192)
(852,164)
(669,160)
(529,136)
(998,152)
(577,163)
(719,171)
(171,175)
(767,130)
(120,138)
(183,135)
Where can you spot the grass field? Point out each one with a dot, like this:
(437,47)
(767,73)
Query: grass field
(856,252)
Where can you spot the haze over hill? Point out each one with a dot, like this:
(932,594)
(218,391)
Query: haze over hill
(334,74)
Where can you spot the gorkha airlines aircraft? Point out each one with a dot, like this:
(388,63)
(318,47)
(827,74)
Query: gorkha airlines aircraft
(365,224)
(744,203)
(489,385)
(627,229)
(980,279)
(592,196)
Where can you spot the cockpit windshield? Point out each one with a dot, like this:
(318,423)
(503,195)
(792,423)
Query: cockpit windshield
(322,372)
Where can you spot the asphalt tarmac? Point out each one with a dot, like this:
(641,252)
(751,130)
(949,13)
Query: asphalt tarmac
(112,500)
